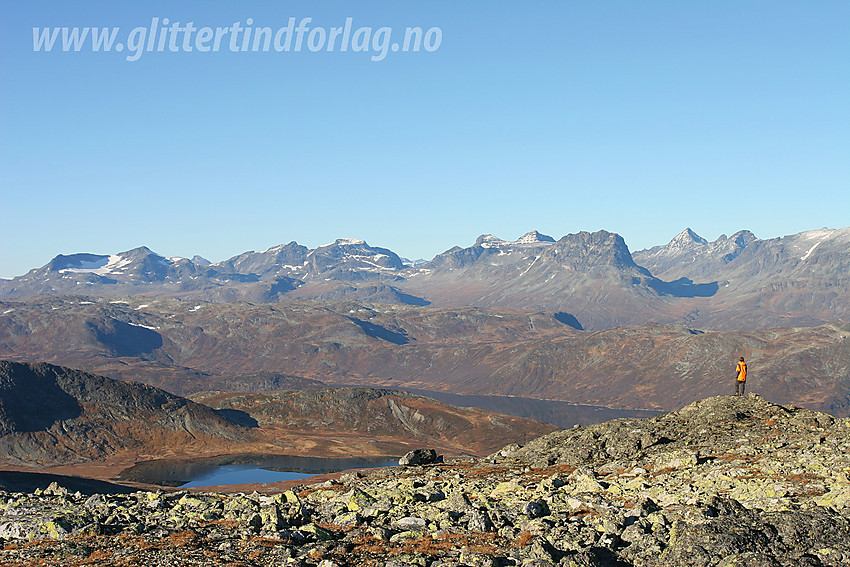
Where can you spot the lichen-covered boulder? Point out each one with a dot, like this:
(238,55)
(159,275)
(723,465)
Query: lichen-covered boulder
(418,457)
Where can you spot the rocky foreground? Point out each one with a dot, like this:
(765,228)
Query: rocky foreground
(726,481)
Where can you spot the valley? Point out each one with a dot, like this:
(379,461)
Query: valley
(190,347)
(72,422)
(344,350)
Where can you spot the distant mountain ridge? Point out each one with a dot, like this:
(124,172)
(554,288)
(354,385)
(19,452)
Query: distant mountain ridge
(735,282)
(690,255)
(796,280)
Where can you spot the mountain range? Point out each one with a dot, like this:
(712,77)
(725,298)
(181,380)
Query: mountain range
(590,279)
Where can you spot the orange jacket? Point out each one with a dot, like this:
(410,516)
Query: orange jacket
(741,369)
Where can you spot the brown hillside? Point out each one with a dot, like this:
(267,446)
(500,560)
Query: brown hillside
(93,425)
(186,349)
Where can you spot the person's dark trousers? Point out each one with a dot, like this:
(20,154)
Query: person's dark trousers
(740,384)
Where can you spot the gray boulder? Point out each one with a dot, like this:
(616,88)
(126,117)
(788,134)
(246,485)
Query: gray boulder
(419,457)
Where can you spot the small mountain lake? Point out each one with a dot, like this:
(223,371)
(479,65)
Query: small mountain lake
(558,413)
(243,469)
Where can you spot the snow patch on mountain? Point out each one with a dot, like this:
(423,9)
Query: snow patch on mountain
(820,234)
(809,253)
(345,242)
(532,238)
(530,265)
(100,266)
(144,326)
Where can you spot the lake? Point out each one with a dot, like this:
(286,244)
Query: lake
(559,414)
(243,469)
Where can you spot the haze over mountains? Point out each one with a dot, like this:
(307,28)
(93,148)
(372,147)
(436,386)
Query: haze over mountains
(591,279)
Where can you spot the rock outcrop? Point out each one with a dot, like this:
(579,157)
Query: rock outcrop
(725,481)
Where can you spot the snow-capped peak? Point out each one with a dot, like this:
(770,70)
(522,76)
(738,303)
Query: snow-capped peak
(687,237)
(529,238)
(489,241)
(534,237)
(345,242)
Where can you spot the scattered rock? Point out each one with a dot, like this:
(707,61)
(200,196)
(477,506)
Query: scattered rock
(724,482)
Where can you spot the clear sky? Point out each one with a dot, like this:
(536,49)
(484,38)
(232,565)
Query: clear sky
(641,118)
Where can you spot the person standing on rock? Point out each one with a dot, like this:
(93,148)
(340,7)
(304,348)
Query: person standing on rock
(741,380)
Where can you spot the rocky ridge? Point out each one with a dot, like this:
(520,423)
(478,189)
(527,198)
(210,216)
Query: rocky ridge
(726,481)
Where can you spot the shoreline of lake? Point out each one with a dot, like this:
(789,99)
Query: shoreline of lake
(243,469)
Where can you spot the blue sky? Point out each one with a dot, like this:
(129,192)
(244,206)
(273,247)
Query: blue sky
(641,118)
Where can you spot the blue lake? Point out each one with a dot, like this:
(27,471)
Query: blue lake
(242,474)
(243,469)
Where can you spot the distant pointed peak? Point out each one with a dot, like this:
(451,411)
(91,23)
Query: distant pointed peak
(689,233)
(743,237)
(534,237)
(686,237)
(277,248)
(138,251)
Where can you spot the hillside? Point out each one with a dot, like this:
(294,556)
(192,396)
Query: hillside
(189,347)
(51,415)
(359,420)
(590,276)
